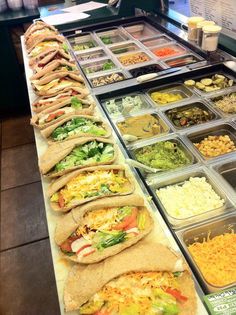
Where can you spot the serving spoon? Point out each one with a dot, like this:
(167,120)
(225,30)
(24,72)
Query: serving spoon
(142,166)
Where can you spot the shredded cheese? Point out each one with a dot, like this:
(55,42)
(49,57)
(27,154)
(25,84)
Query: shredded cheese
(216,258)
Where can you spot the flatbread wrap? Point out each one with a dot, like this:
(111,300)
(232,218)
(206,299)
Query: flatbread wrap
(76,126)
(36,27)
(102,228)
(88,184)
(53,83)
(62,158)
(53,67)
(41,60)
(72,97)
(44,42)
(147,278)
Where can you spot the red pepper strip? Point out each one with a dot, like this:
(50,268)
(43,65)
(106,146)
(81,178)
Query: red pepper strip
(83,247)
(74,93)
(66,246)
(105,312)
(176,294)
(50,117)
(61,201)
(128,221)
(89,253)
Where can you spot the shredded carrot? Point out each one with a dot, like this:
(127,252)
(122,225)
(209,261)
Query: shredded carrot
(216,258)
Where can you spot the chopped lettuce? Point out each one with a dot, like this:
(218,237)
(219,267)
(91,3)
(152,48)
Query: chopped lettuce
(75,103)
(111,238)
(78,125)
(88,153)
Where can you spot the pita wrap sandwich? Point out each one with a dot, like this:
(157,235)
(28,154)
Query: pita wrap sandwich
(147,278)
(37,32)
(41,60)
(43,42)
(54,67)
(102,228)
(75,97)
(52,83)
(88,184)
(37,27)
(62,158)
(76,126)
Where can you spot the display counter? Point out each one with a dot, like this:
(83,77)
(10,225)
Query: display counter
(162,124)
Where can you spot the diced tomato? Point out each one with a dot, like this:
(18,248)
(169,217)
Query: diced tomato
(61,112)
(103,312)
(50,117)
(74,92)
(176,294)
(82,248)
(128,222)
(61,201)
(66,246)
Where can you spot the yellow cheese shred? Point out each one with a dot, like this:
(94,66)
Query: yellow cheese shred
(216,258)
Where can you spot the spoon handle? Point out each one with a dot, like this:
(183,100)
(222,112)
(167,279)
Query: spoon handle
(141,166)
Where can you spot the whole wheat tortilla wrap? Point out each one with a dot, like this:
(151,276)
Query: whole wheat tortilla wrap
(84,282)
(52,83)
(42,38)
(47,132)
(38,25)
(58,151)
(61,182)
(41,60)
(46,104)
(52,67)
(75,219)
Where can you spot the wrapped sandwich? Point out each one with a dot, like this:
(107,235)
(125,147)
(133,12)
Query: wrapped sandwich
(102,228)
(88,184)
(147,278)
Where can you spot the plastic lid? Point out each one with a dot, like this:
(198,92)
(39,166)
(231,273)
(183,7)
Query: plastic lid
(211,29)
(195,19)
(204,23)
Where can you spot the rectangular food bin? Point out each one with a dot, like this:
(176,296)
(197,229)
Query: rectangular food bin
(98,66)
(138,121)
(124,47)
(126,105)
(133,58)
(175,89)
(153,68)
(200,232)
(225,104)
(167,51)
(181,61)
(180,122)
(211,83)
(152,177)
(81,42)
(106,78)
(141,30)
(87,56)
(111,36)
(156,41)
(179,180)
(227,170)
(219,129)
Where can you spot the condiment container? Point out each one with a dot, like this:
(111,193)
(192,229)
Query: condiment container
(200,25)
(192,27)
(210,37)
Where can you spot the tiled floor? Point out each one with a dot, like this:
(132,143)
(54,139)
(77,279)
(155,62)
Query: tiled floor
(27,277)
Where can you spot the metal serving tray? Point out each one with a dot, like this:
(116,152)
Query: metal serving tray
(156,41)
(91,55)
(200,232)
(106,78)
(111,36)
(124,47)
(117,110)
(151,178)
(173,89)
(198,104)
(181,60)
(215,130)
(82,42)
(179,179)
(228,171)
(132,59)
(152,68)
(212,101)
(98,66)
(178,50)
(141,30)
(161,122)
